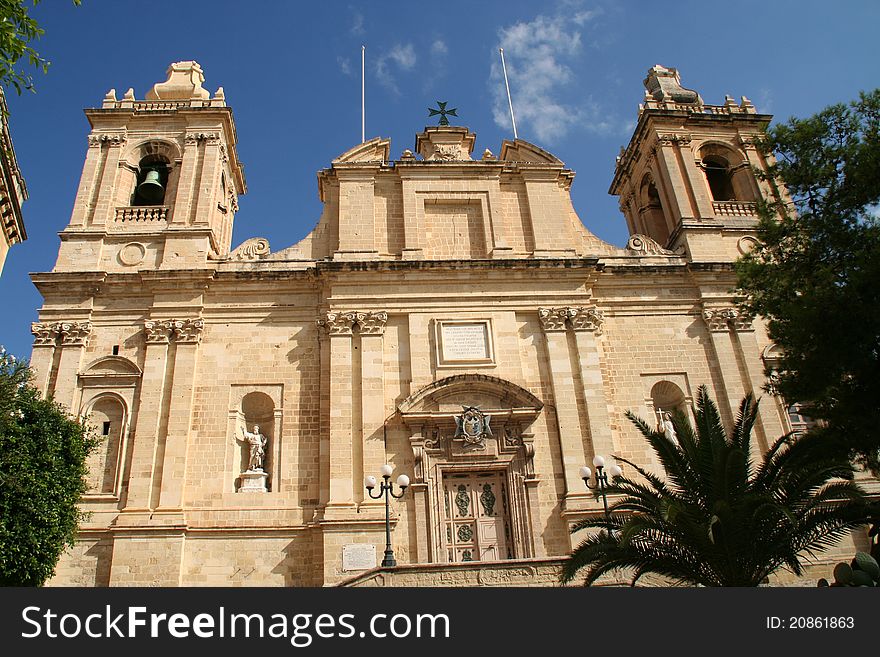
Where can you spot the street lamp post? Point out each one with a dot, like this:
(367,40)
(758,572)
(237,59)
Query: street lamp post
(601,477)
(386,488)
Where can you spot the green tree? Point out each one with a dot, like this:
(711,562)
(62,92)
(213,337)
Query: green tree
(717,519)
(17,30)
(42,468)
(814,274)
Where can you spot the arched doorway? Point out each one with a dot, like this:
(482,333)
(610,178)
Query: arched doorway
(474,481)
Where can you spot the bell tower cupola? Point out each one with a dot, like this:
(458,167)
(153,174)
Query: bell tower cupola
(161,180)
(687,177)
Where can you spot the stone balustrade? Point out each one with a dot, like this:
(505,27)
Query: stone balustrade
(142,214)
(735,208)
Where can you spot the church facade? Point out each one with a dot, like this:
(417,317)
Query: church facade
(449,315)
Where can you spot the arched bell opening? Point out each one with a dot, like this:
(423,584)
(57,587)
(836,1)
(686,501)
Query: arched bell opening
(652,213)
(152,181)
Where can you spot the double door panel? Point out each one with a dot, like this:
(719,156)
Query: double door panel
(476,523)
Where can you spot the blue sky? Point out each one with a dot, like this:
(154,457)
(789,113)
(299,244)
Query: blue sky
(291,73)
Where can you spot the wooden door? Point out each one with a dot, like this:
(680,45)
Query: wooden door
(476,517)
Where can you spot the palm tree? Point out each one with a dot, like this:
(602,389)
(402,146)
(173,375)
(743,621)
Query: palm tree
(716,519)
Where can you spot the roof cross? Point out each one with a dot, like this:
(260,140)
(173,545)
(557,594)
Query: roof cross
(442,112)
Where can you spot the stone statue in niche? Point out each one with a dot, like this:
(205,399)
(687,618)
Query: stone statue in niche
(254,478)
(256,443)
(665,426)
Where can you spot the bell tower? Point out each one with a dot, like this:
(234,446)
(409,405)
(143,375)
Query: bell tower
(686,180)
(161,180)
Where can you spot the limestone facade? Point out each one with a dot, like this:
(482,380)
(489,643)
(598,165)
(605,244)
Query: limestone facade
(432,284)
(13,191)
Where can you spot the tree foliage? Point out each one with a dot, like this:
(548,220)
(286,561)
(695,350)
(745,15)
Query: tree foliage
(42,470)
(718,519)
(17,30)
(814,274)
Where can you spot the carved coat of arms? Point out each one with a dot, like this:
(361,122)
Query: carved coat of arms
(473,426)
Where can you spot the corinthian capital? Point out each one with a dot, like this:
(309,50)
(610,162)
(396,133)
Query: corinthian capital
(372,323)
(44,333)
(586,319)
(343,323)
(337,323)
(188,330)
(158,332)
(75,333)
(722,319)
(553,320)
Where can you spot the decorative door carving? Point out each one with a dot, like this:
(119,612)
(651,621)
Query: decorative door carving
(477,525)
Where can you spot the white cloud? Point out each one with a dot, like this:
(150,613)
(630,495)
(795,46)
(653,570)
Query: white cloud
(357,23)
(539,55)
(405,56)
(344,65)
(438,48)
(400,57)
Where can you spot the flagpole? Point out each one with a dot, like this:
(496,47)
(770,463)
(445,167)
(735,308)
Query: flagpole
(507,86)
(363,104)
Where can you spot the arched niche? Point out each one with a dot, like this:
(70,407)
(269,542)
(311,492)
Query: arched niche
(498,453)
(108,389)
(254,405)
(108,414)
(667,392)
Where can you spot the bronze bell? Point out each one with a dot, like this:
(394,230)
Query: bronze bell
(151,189)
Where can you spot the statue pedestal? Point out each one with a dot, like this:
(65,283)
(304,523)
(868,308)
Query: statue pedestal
(253,481)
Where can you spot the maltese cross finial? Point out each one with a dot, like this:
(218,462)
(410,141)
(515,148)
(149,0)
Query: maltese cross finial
(442,112)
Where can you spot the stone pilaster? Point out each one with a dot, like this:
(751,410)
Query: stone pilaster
(105,206)
(413,221)
(719,321)
(187,182)
(673,181)
(372,376)
(74,336)
(157,335)
(587,325)
(186,335)
(45,337)
(554,323)
(357,231)
(339,327)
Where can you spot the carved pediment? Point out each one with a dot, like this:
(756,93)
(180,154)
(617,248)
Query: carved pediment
(523,151)
(374,150)
(450,393)
(110,370)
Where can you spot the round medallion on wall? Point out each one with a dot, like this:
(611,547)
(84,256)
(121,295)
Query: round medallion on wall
(746,244)
(132,254)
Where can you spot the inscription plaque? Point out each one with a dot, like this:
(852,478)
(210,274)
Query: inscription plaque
(358,556)
(464,342)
